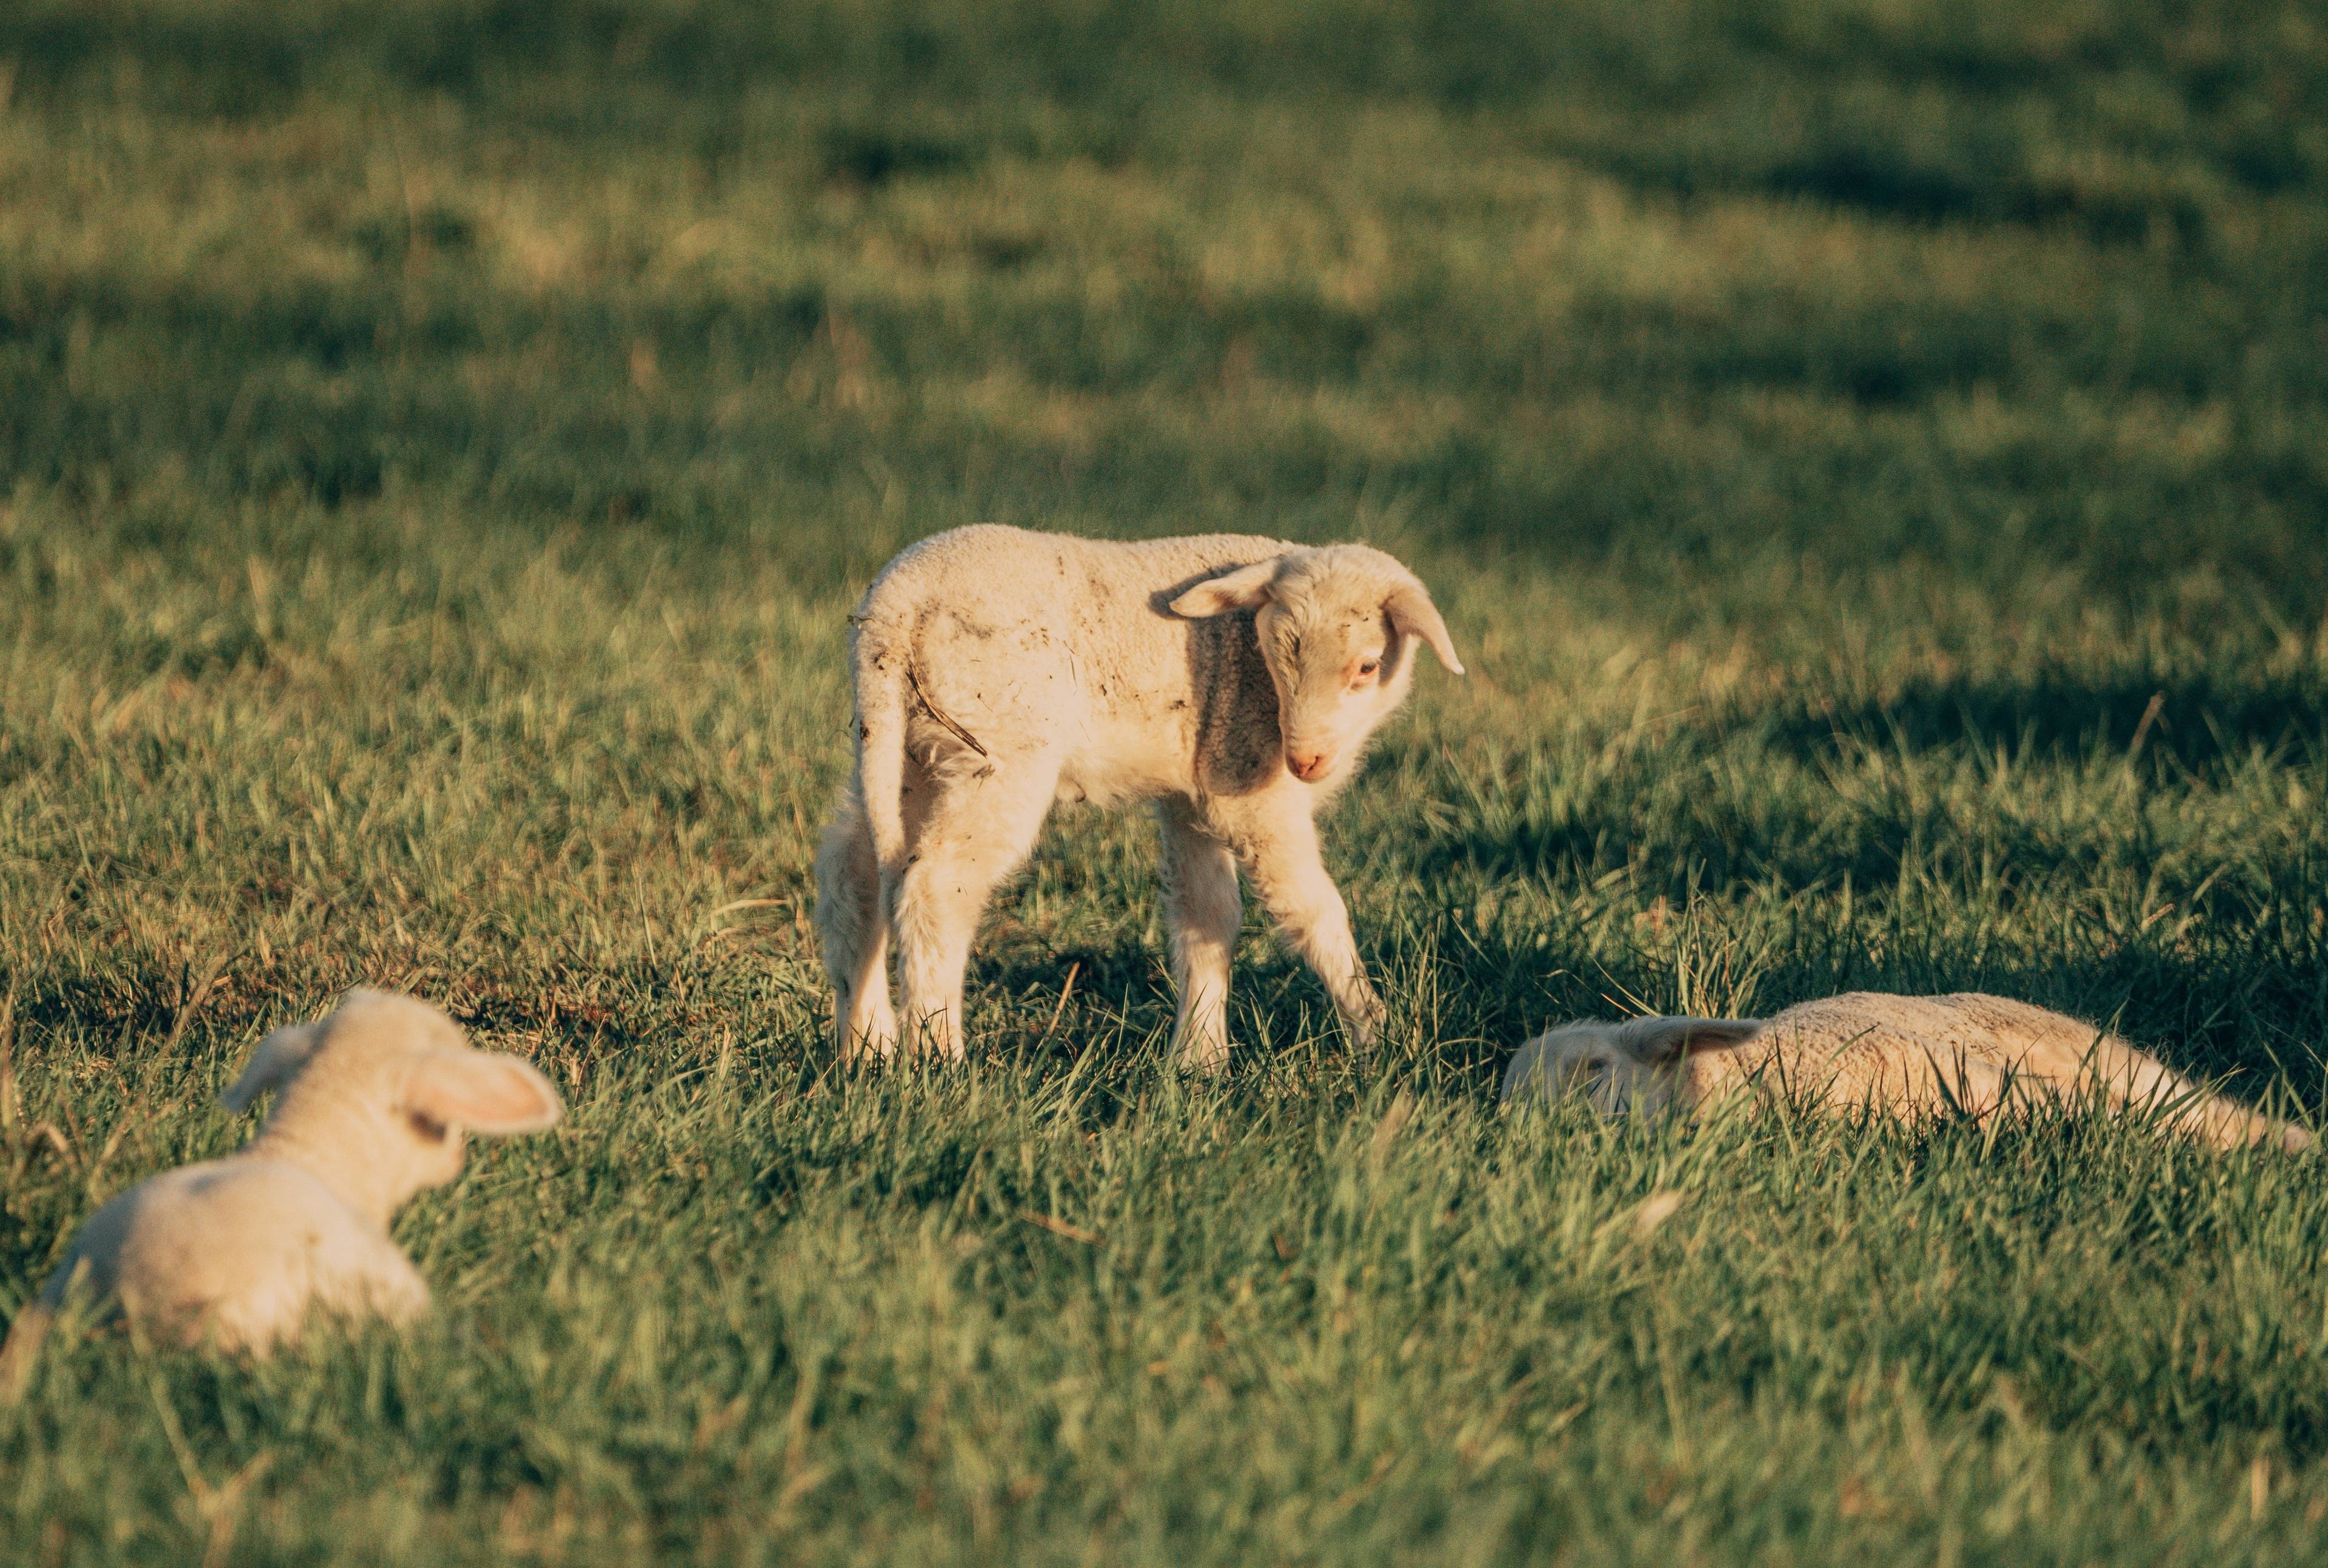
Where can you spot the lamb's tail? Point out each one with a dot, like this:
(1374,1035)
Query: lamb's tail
(883,660)
(23,1347)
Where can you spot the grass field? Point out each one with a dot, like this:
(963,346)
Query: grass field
(1873,457)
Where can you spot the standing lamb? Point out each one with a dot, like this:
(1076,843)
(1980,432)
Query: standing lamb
(1233,681)
(1908,1056)
(370,1107)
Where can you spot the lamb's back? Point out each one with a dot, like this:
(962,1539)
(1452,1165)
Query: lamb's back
(1969,1052)
(1966,1049)
(997,576)
(239,1250)
(1047,642)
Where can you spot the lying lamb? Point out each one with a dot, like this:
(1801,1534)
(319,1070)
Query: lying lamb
(1911,1056)
(371,1108)
(1232,680)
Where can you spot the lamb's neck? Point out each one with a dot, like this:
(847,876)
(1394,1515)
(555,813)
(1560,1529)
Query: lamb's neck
(343,1165)
(1705,1077)
(1686,1094)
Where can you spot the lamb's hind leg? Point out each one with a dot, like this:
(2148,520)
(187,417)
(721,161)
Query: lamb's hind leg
(979,826)
(2133,1080)
(1278,846)
(853,919)
(1203,911)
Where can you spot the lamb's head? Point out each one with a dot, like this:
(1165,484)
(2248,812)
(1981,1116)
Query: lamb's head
(1631,1068)
(388,1086)
(1339,628)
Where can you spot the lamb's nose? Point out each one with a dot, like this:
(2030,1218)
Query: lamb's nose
(1306,765)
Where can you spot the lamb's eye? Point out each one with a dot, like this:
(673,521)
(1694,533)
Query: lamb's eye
(1368,668)
(428,1129)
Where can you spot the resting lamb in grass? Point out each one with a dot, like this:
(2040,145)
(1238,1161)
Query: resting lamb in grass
(371,1106)
(1231,681)
(1911,1056)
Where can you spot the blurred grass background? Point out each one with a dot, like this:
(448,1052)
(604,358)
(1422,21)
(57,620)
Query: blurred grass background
(1874,457)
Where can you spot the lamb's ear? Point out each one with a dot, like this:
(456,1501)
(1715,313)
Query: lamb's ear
(1660,1040)
(1242,589)
(1410,610)
(482,1092)
(278,1056)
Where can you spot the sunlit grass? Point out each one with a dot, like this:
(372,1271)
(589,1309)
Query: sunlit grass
(439,445)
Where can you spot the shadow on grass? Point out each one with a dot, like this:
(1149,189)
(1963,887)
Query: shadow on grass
(1708,835)
(2195,721)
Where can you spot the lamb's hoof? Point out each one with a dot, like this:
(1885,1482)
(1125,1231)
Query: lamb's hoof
(1206,1059)
(870,1048)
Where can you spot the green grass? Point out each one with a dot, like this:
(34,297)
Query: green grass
(1874,458)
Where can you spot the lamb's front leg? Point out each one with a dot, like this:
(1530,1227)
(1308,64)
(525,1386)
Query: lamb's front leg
(1278,845)
(1203,911)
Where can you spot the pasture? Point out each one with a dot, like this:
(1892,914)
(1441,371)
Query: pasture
(1874,459)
